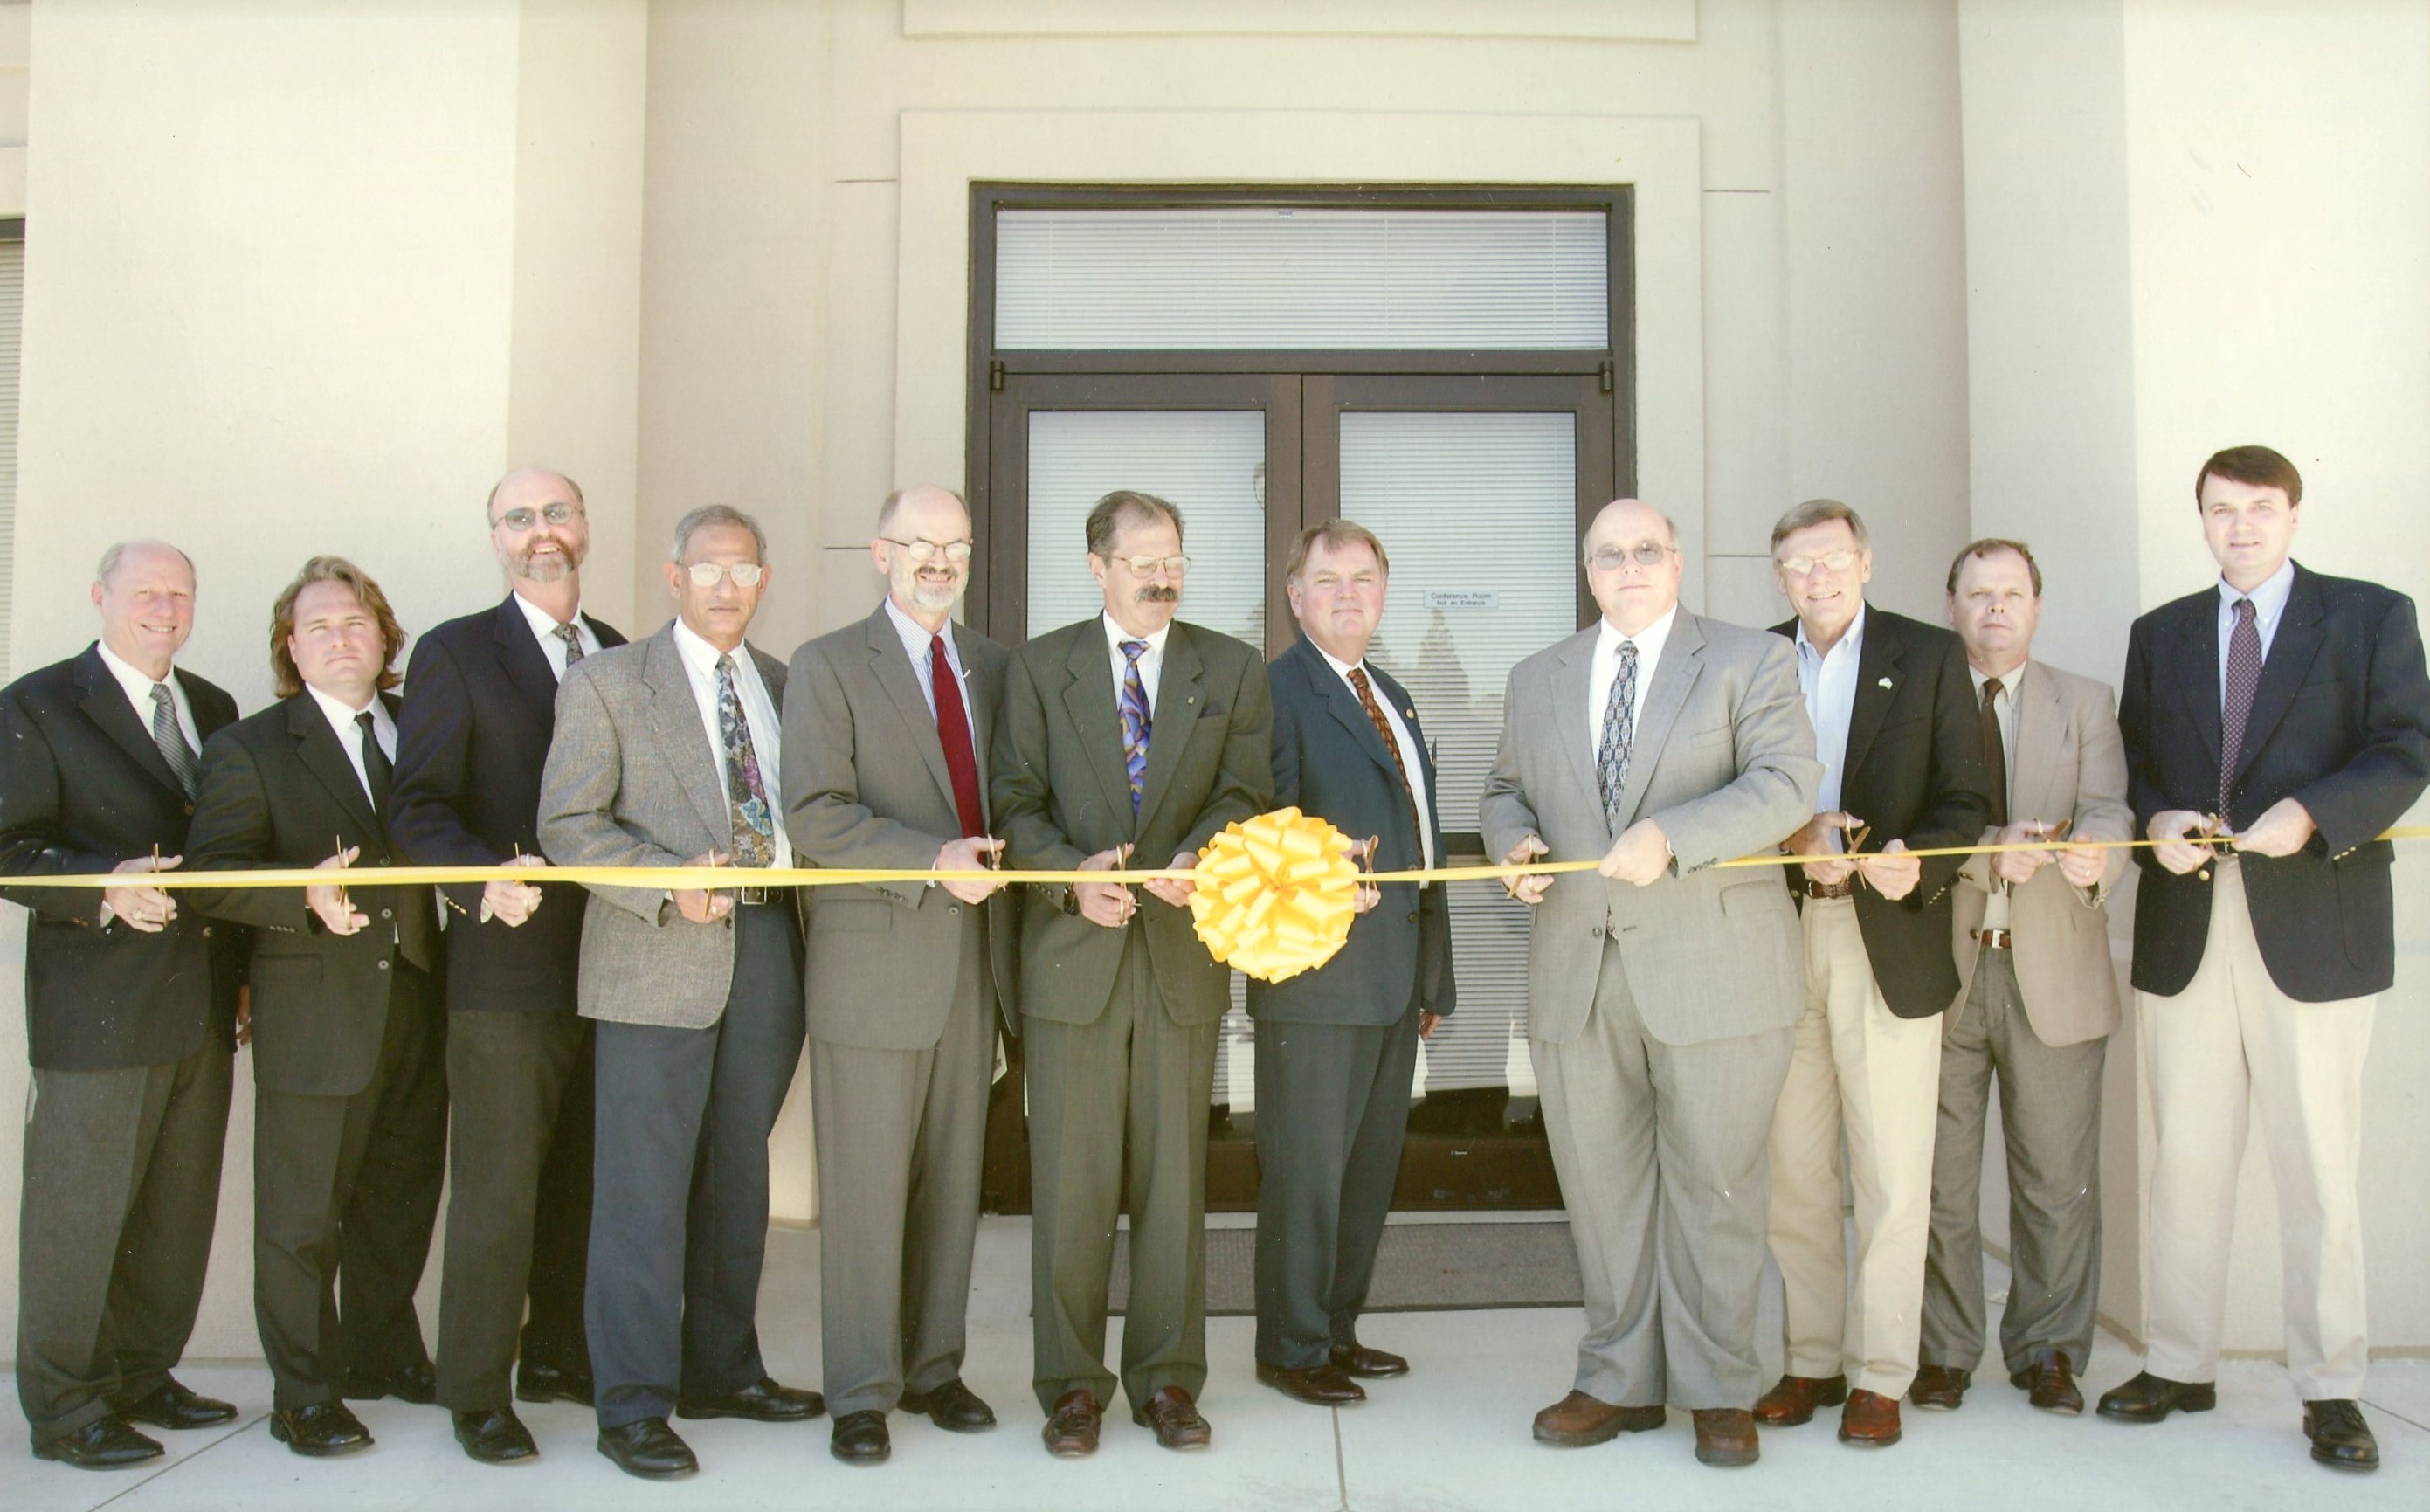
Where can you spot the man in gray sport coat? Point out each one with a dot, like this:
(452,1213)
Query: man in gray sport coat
(662,756)
(887,731)
(1662,993)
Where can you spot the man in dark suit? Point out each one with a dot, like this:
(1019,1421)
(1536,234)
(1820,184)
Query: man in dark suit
(1896,726)
(350,1108)
(1125,735)
(1337,1047)
(888,731)
(131,1006)
(664,755)
(480,703)
(2288,712)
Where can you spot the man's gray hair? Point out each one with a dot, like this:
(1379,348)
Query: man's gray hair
(117,553)
(893,504)
(718,514)
(1819,512)
(490,507)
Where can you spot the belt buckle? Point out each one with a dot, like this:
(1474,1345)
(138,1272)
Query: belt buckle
(753,897)
(1994,939)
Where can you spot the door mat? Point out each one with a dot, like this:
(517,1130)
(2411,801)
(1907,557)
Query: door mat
(1419,1268)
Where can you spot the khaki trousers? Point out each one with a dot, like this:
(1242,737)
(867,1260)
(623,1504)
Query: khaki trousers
(1861,1071)
(2229,1042)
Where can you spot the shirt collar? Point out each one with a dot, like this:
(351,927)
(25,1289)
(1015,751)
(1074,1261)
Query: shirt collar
(2269,596)
(916,637)
(1853,643)
(341,718)
(701,656)
(1116,635)
(1343,669)
(137,683)
(543,625)
(1649,642)
(2008,680)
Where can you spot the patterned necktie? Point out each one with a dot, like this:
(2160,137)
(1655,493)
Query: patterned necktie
(171,739)
(1136,722)
(1384,728)
(571,636)
(1619,736)
(755,828)
(2243,681)
(1995,755)
(377,773)
(954,733)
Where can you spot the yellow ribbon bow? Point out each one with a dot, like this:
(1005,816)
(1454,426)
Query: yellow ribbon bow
(1276,894)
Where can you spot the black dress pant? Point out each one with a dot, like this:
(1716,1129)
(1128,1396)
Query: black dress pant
(122,1189)
(345,1195)
(519,1092)
(680,1223)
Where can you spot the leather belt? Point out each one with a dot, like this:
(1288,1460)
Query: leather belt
(1994,938)
(1845,886)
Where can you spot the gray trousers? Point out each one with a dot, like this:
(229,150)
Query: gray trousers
(901,1138)
(121,1188)
(345,1192)
(679,1221)
(519,1091)
(2049,1116)
(1133,1078)
(1660,1151)
(1333,1104)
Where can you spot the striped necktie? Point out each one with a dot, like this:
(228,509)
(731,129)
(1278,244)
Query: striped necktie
(171,739)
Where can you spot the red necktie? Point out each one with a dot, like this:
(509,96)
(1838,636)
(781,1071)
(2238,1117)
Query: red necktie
(954,731)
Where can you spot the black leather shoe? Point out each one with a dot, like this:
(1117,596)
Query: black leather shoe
(417,1384)
(649,1449)
(952,1406)
(2340,1436)
(548,1383)
(1941,1387)
(2149,1398)
(860,1439)
(323,1428)
(1354,1358)
(764,1403)
(1319,1386)
(495,1436)
(107,1443)
(171,1405)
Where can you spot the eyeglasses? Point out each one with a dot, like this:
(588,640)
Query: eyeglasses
(924,552)
(1146,566)
(523,517)
(746,575)
(1838,561)
(1645,554)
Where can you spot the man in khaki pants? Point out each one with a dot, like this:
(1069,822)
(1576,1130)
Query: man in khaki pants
(2291,712)
(1902,748)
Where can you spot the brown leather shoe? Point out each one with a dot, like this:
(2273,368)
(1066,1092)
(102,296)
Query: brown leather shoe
(1795,1398)
(1579,1421)
(1871,1420)
(1319,1386)
(1941,1387)
(1725,1435)
(1354,1358)
(2049,1382)
(1175,1416)
(1071,1427)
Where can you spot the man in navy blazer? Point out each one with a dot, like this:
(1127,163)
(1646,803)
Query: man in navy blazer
(480,707)
(2291,711)
(1337,1046)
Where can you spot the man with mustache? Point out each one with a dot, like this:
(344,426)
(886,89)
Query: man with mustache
(1127,735)
(480,705)
(887,730)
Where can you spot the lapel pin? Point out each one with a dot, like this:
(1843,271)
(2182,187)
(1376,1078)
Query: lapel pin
(1885,682)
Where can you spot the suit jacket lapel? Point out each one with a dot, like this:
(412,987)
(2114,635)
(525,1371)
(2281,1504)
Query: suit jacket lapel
(106,704)
(983,695)
(317,747)
(2292,650)
(2193,666)
(1877,677)
(1573,696)
(1179,698)
(525,664)
(1658,707)
(682,738)
(1400,698)
(890,660)
(1343,706)
(2033,767)
(1089,700)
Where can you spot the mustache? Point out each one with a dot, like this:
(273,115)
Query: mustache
(1159,593)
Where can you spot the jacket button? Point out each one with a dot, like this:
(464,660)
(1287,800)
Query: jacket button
(189,810)
(384,914)
(1596,931)
(1413,918)
(956,908)
(383,966)
(206,931)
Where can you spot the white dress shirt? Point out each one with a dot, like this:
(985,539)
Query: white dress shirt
(2269,598)
(551,645)
(916,637)
(1829,683)
(1400,738)
(2004,708)
(1649,642)
(758,712)
(1151,662)
(350,735)
(138,685)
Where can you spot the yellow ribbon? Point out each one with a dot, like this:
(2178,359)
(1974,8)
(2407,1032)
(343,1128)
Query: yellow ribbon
(1276,894)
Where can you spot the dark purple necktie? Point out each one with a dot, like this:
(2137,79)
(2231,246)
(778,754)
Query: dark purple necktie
(2236,710)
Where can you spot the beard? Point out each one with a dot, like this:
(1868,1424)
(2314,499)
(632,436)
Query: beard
(935,597)
(547,569)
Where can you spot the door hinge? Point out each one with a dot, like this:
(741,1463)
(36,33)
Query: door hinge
(995,377)
(1604,376)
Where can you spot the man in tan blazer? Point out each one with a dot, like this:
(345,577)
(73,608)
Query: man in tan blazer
(2032,936)
(887,728)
